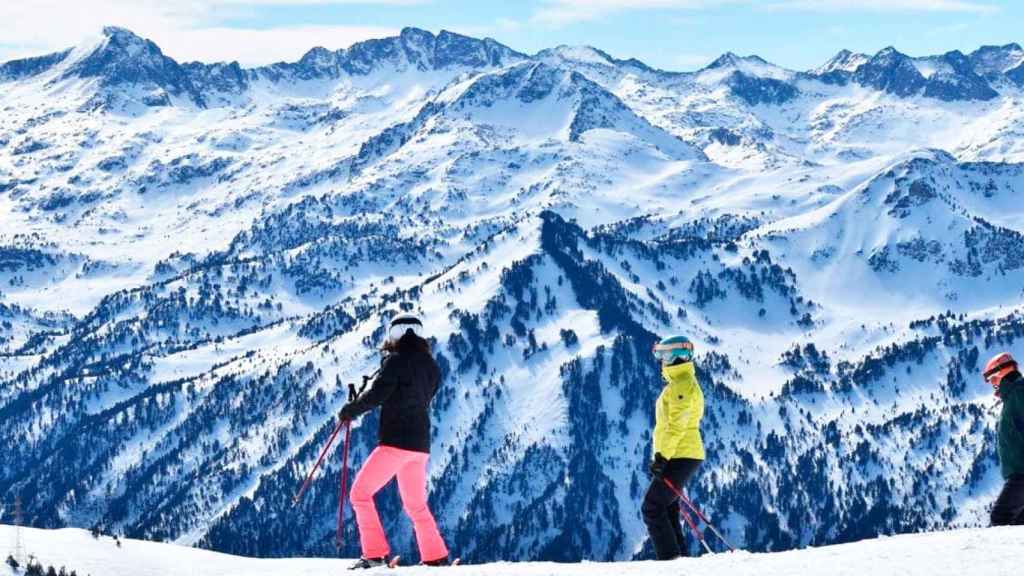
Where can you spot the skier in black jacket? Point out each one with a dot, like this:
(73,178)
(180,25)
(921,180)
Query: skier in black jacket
(406,384)
(1002,373)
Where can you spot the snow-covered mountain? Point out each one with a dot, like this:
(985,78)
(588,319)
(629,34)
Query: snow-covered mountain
(195,258)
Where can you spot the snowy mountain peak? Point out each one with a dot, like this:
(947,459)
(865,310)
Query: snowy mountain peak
(124,37)
(952,77)
(88,58)
(552,102)
(413,49)
(318,62)
(890,71)
(123,58)
(732,60)
(419,49)
(750,78)
(890,53)
(595,62)
(995,60)
(414,35)
(949,77)
(578,54)
(752,65)
(844,61)
(318,55)
(890,57)
(451,49)
(120,47)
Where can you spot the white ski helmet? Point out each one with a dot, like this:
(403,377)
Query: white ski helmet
(403,324)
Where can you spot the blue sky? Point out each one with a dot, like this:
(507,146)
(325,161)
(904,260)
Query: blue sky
(671,34)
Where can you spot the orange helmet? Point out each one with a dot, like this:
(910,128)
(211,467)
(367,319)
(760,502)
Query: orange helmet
(997,368)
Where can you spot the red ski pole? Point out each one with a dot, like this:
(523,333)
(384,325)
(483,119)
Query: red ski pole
(319,461)
(695,530)
(689,504)
(339,535)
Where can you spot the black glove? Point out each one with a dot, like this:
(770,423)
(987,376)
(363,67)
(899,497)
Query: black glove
(347,412)
(658,466)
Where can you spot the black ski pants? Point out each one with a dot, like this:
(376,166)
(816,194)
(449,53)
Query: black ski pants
(661,509)
(1009,507)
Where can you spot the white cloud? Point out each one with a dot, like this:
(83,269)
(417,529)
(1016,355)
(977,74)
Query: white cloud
(956,28)
(320,2)
(495,28)
(885,6)
(184,29)
(561,12)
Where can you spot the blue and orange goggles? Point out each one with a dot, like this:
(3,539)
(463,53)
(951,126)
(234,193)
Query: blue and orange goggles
(673,351)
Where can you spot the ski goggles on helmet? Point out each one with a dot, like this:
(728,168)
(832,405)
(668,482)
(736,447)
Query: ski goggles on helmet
(997,368)
(402,325)
(1001,367)
(672,351)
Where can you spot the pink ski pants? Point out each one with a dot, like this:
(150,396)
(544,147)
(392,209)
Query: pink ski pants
(384,463)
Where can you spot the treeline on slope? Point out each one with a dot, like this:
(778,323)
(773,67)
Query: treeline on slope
(217,298)
(754,464)
(185,460)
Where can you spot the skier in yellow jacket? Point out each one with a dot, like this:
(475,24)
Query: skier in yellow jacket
(678,448)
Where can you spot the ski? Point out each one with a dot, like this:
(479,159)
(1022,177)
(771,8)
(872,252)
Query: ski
(395,563)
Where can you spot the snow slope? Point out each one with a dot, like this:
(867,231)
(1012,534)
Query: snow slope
(979,552)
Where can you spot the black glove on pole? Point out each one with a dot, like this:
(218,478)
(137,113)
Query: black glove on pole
(347,412)
(658,466)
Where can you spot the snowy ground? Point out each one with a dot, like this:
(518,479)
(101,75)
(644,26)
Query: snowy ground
(974,552)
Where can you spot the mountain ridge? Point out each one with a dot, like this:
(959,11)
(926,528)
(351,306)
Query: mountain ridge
(425,51)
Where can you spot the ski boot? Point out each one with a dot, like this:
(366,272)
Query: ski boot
(441,562)
(367,563)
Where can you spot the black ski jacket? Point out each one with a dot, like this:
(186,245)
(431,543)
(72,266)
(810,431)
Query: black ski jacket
(1011,425)
(406,384)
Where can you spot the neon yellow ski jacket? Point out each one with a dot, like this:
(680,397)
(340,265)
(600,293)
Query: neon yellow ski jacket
(677,414)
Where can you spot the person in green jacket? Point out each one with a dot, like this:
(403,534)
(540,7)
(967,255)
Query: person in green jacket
(1002,373)
(678,447)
